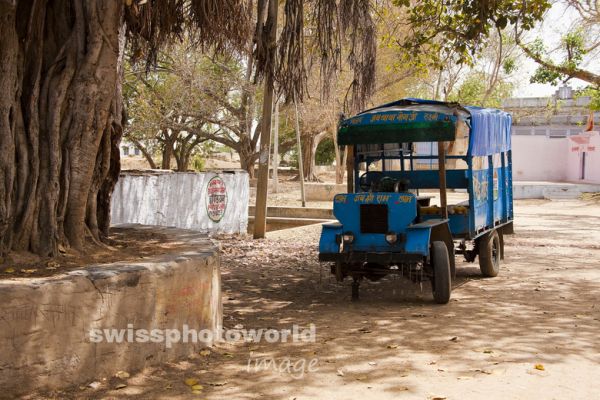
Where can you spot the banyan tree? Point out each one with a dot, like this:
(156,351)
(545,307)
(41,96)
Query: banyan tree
(61,114)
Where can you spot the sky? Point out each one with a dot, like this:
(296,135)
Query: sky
(558,19)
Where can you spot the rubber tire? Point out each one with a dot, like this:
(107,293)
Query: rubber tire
(489,255)
(441,284)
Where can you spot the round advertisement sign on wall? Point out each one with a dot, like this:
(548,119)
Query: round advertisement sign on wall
(216,202)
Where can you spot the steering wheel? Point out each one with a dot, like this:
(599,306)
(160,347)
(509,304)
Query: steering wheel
(367,179)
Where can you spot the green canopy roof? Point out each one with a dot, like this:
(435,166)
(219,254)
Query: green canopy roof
(401,123)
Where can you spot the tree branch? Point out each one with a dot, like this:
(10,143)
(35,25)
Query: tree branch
(578,73)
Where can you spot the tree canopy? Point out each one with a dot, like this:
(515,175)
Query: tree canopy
(578,46)
(457,30)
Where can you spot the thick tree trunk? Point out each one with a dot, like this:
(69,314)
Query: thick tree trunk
(315,145)
(116,133)
(59,121)
(182,160)
(167,154)
(184,150)
(340,164)
(247,163)
(9,113)
(341,155)
(167,151)
(145,153)
(248,156)
(309,150)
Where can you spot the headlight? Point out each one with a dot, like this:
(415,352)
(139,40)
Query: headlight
(348,237)
(391,237)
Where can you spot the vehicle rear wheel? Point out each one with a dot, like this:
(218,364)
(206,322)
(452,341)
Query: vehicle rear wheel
(489,254)
(441,282)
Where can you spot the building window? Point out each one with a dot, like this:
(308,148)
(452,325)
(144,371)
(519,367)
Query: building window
(125,150)
(137,151)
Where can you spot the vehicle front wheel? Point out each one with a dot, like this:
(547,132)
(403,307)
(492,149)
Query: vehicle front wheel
(441,282)
(489,254)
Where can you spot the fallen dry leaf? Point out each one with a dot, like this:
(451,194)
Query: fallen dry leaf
(483,371)
(191,381)
(122,375)
(539,367)
(28,271)
(51,265)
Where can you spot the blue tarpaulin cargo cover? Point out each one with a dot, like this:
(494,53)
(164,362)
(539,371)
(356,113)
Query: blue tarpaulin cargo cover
(490,131)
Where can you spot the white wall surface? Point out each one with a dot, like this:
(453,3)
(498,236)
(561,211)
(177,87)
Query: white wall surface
(179,199)
(538,158)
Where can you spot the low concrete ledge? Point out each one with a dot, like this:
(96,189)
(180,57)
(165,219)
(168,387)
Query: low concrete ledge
(551,190)
(323,191)
(45,323)
(278,223)
(295,212)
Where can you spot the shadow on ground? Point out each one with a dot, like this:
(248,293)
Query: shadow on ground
(542,310)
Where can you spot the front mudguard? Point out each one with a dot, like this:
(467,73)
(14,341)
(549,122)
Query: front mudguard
(420,236)
(330,238)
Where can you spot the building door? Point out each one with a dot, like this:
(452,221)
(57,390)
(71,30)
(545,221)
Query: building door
(582,172)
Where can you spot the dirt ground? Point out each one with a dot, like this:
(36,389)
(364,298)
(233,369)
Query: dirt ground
(532,332)
(123,244)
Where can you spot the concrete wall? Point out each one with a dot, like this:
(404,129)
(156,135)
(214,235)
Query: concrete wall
(182,200)
(552,190)
(45,322)
(538,158)
(323,191)
(296,212)
(542,102)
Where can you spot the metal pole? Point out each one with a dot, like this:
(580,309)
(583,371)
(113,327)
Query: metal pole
(350,168)
(276,148)
(442,171)
(300,165)
(262,186)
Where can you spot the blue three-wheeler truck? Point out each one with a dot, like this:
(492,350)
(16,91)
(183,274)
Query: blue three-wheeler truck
(395,152)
